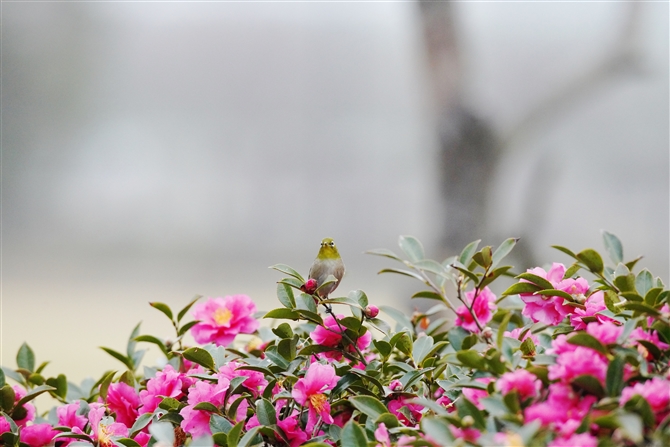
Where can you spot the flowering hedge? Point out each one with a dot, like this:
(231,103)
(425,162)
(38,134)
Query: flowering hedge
(556,359)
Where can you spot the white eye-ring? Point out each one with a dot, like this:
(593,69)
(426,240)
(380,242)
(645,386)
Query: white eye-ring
(332,243)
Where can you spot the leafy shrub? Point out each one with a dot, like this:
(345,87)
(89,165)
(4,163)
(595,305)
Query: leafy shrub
(556,359)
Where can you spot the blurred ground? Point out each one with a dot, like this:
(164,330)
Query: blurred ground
(151,152)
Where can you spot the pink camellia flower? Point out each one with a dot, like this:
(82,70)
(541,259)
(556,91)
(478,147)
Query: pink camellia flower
(294,434)
(579,362)
(483,306)
(20,393)
(651,337)
(656,391)
(474,394)
(4,425)
(68,416)
(526,384)
(395,385)
(371,311)
(564,409)
(309,391)
(102,431)
(594,304)
(168,383)
(445,402)
(221,319)
(310,286)
(196,422)
(254,382)
(580,440)
(515,333)
(382,436)
(330,335)
(606,332)
(38,435)
(399,402)
(123,400)
(468,434)
(547,309)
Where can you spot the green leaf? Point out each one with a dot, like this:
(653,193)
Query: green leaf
(186,327)
(170,403)
(128,442)
(163,432)
(141,422)
(2,378)
(315,349)
(206,406)
(306,302)
(7,397)
(537,280)
(412,247)
(613,247)
(483,257)
(120,357)
(567,251)
(589,341)
(104,384)
(511,400)
(555,292)
(640,307)
(32,394)
(464,270)
(369,406)
(234,434)
(74,436)
(590,384)
(468,252)
(421,348)
(163,308)
(383,252)
(644,282)
(431,266)
(456,337)
(438,429)
(186,308)
(199,356)
(528,347)
(289,271)
(353,435)
(25,358)
(219,424)
(465,408)
(248,437)
(592,260)
(640,405)
(401,317)
(402,272)
(503,250)
(286,348)
(471,359)
(631,426)
(651,296)
(265,412)
(403,342)
(521,287)
(383,347)
(614,380)
(282,314)
(151,339)
(570,272)
(283,331)
(285,296)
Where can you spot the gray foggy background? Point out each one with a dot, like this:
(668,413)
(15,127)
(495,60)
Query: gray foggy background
(153,151)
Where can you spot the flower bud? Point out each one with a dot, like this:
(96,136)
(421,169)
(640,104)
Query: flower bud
(371,311)
(467,421)
(395,385)
(310,286)
(487,332)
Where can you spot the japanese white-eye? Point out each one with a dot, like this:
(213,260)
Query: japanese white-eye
(327,262)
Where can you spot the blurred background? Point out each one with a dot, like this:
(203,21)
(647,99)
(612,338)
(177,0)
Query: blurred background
(154,151)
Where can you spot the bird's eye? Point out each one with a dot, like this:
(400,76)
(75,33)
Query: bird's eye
(332,244)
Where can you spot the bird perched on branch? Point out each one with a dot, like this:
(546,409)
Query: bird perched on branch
(328,262)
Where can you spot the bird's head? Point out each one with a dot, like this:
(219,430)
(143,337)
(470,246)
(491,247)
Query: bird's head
(328,249)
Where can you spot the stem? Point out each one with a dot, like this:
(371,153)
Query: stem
(329,310)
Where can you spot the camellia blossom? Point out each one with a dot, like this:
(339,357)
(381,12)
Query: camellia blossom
(196,422)
(547,309)
(103,428)
(579,362)
(651,337)
(20,393)
(581,440)
(38,435)
(483,306)
(295,435)
(523,382)
(515,333)
(254,382)
(593,304)
(309,391)
(168,383)
(564,409)
(123,400)
(68,416)
(606,332)
(382,436)
(330,335)
(656,391)
(474,394)
(400,402)
(221,319)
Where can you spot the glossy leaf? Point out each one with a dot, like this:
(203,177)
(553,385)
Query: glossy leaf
(466,255)
(589,341)
(613,246)
(186,308)
(353,435)
(282,314)
(163,308)
(369,406)
(289,271)
(503,250)
(25,358)
(285,295)
(199,356)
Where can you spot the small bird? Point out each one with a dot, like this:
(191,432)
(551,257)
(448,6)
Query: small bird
(327,262)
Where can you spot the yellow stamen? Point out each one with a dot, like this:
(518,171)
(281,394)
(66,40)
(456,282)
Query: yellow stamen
(104,437)
(318,401)
(222,316)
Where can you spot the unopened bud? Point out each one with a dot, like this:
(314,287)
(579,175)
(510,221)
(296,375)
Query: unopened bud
(487,332)
(467,421)
(310,286)
(395,385)
(371,311)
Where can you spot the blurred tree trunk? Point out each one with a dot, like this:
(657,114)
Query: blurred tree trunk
(468,145)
